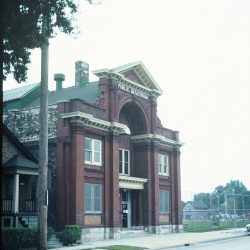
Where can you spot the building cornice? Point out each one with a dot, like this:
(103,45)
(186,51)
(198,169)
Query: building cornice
(93,122)
(127,84)
(156,138)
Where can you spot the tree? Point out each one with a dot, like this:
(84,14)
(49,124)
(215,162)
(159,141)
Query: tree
(204,197)
(233,191)
(23,30)
(27,25)
(223,197)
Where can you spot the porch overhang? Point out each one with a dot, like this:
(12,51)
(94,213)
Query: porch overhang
(19,164)
(129,182)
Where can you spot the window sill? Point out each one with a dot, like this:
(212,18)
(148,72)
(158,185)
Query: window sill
(93,163)
(164,175)
(93,213)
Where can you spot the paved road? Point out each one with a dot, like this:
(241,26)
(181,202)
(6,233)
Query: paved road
(242,243)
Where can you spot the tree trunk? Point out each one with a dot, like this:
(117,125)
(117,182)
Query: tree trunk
(43,151)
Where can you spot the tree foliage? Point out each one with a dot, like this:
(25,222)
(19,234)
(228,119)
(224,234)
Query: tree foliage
(23,30)
(223,197)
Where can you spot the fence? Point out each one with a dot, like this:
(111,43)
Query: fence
(216,212)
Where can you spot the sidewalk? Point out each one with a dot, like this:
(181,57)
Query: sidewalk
(163,241)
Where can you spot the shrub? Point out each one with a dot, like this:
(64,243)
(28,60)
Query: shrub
(16,238)
(71,234)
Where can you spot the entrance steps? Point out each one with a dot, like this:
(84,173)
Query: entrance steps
(54,242)
(132,233)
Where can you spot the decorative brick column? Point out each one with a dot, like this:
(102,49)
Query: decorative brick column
(176,188)
(153,161)
(114,186)
(76,184)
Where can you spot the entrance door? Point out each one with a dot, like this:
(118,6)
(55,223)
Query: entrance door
(126,208)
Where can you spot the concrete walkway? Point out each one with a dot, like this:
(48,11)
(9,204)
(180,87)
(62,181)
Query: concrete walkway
(163,241)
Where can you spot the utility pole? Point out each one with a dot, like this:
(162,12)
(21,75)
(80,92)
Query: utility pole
(43,144)
(225,194)
(234,211)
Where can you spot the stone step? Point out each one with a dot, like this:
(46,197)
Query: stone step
(133,233)
(54,242)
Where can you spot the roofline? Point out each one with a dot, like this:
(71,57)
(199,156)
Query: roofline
(122,68)
(18,144)
(20,97)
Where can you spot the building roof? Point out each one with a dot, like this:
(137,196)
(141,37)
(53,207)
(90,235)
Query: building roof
(18,93)
(20,161)
(199,205)
(18,144)
(88,92)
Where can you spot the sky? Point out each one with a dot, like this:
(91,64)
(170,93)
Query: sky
(198,51)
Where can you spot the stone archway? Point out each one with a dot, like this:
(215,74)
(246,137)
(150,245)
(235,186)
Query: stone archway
(132,115)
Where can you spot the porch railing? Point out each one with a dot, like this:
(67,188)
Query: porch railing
(29,206)
(7,205)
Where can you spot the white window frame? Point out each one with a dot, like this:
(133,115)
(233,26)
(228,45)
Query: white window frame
(161,164)
(92,199)
(164,209)
(123,162)
(92,151)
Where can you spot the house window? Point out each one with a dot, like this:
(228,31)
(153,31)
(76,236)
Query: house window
(92,198)
(163,166)
(124,161)
(92,150)
(164,201)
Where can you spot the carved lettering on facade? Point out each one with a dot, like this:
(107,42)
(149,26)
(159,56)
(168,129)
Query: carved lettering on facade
(132,90)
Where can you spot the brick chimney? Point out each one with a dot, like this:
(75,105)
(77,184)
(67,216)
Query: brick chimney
(59,78)
(81,73)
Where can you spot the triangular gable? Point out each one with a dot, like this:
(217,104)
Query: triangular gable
(134,73)
(17,146)
(138,73)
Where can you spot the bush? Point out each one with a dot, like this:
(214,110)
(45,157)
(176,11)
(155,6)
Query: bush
(71,234)
(16,238)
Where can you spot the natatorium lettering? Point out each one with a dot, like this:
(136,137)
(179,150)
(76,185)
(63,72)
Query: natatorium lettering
(133,91)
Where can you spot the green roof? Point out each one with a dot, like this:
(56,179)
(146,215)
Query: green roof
(18,93)
(88,92)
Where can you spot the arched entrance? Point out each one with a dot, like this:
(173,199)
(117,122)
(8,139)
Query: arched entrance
(131,183)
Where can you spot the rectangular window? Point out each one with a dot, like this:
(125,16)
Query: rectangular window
(164,201)
(124,161)
(92,198)
(92,151)
(163,165)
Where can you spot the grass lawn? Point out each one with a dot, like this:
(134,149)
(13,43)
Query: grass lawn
(205,226)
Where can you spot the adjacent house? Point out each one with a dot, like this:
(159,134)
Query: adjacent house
(20,171)
(196,210)
(112,166)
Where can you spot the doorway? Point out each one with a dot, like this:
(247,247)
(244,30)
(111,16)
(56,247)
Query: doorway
(126,208)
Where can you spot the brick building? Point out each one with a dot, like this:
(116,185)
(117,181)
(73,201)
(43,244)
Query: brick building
(112,165)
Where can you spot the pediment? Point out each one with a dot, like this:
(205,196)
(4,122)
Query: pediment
(132,76)
(136,73)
